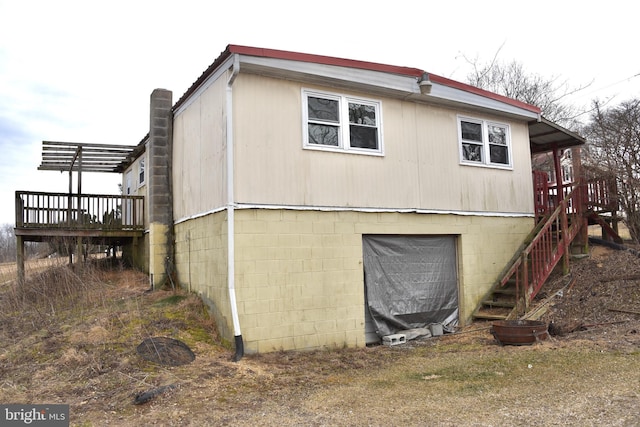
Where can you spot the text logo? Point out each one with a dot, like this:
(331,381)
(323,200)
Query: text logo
(34,415)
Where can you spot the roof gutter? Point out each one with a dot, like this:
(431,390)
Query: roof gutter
(231,271)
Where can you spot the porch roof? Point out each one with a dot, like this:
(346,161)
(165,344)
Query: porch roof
(545,135)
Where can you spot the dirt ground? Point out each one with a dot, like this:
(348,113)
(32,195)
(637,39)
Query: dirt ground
(77,346)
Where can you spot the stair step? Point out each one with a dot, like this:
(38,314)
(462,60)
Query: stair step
(505,291)
(504,304)
(489,316)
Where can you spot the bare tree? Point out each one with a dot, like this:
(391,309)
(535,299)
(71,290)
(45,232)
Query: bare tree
(7,243)
(614,151)
(512,80)
(550,94)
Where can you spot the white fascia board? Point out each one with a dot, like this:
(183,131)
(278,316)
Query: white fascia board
(308,72)
(377,82)
(220,71)
(445,94)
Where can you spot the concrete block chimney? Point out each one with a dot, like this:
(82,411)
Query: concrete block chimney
(161,253)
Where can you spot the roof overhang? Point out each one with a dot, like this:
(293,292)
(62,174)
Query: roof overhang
(373,78)
(545,135)
(83,157)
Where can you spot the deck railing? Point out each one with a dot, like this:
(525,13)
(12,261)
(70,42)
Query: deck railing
(600,195)
(597,195)
(84,211)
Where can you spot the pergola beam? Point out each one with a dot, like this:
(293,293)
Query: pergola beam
(63,156)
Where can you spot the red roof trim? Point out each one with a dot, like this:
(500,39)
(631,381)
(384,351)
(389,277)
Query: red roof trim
(326,60)
(350,63)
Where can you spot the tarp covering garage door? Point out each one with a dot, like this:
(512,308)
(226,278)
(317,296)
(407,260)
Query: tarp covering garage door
(410,281)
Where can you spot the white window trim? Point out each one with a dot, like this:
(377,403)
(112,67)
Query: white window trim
(343,134)
(142,165)
(485,144)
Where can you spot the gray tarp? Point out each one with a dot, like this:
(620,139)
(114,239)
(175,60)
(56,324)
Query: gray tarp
(411,281)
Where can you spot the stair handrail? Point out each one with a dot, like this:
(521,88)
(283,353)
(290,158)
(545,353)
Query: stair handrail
(516,259)
(542,243)
(540,233)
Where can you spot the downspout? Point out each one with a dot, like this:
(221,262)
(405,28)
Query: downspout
(231,270)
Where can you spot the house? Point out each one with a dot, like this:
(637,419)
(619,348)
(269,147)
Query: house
(322,202)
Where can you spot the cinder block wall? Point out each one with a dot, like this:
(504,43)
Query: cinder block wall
(299,275)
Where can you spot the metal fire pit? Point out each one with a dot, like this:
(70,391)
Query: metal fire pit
(519,332)
(165,351)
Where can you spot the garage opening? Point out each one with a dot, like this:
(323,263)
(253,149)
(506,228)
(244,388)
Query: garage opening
(410,282)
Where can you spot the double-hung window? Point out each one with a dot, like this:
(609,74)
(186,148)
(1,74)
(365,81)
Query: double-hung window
(484,142)
(340,123)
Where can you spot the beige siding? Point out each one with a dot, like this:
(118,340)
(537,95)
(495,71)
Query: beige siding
(137,188)
(139,251)
(299,277)
(420,168)
(199,155)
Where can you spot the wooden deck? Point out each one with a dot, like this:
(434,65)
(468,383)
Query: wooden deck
(42,216)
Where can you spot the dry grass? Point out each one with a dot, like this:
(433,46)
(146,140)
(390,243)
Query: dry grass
(8,269)
(71,338)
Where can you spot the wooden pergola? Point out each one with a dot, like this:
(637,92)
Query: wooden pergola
(83,157)
(84,217)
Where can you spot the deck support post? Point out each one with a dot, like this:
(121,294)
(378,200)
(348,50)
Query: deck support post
(560,201)
(566,245)
(20,258)
(79,253)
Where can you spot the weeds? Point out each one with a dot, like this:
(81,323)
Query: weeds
(71,338)
(73,334)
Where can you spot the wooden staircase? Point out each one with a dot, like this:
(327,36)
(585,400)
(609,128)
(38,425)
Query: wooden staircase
(559,220)
(500,304)
(523,277)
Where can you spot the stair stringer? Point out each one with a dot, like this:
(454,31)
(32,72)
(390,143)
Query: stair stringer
(532,264)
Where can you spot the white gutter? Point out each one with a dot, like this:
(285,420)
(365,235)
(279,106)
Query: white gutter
(231,276)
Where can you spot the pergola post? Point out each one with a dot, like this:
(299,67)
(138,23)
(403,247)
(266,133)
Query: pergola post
(79,218)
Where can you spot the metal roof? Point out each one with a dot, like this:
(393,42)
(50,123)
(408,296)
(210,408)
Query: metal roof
(83,157)
(545,135)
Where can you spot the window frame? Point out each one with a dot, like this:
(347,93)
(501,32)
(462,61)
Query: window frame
(485,143)
(343,124)
(142,171)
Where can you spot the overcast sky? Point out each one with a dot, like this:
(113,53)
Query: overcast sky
(82,71)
